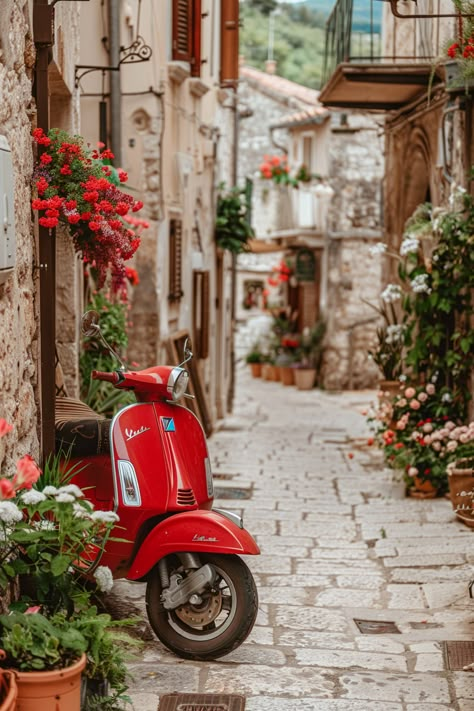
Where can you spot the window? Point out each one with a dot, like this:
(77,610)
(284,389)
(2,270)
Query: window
(201,314)
(186,44)
(307,150)
(176,259)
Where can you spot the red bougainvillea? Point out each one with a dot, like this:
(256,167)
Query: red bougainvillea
(76,188)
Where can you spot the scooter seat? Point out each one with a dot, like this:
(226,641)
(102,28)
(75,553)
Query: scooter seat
(80,431)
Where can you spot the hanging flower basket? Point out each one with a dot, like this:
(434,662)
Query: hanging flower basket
(76,187)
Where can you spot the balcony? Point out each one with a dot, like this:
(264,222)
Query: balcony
(367,69)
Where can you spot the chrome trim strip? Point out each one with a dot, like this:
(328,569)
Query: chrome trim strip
(235,518)
(112,458)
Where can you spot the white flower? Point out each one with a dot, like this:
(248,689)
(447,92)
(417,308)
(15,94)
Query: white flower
(391,293)
(80,511)
(451,446)
(104,516)
(447,397)
(403,378)
(33,497)
(379,248)
(9,512)
(103,578)
(71,489)
(419,284)
(409,245)
(50,491)
(394,334)
(64,498)
(44,525)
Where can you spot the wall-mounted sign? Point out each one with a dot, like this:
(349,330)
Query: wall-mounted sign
(305,265)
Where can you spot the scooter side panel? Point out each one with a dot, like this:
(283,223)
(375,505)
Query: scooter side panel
(185,447)
(194,531)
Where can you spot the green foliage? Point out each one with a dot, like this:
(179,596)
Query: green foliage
(440,337)
(102,397)
(310,350)
(299,38)
(255,355)
(389,353)
(34,642)
(232,227)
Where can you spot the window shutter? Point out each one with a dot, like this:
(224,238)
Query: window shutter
(175,261)
(196,39)
(182,30)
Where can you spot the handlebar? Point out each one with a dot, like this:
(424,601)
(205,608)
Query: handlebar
(109,377)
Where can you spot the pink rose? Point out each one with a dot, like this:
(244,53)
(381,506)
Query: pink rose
(422,397)
(410,392)
(413,471)
(402,402)
(428,427)
(430,389)
(414,404)
(400,425)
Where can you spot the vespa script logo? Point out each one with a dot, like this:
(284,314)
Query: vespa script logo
(204,539)
(130,434)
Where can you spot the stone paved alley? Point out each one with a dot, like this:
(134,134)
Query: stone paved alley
(338,542)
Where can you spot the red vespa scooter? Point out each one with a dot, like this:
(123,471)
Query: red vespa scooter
(201,598)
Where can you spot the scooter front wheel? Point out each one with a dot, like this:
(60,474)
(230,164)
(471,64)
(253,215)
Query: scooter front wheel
(216,623)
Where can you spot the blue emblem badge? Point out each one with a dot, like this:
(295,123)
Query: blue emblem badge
(168,424)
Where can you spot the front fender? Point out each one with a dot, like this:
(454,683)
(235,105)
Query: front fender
(199,531)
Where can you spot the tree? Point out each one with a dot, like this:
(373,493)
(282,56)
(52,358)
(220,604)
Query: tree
(264,6)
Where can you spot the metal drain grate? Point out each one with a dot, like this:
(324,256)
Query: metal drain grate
(376,627)
(231,493)
(458,655)
(202,702)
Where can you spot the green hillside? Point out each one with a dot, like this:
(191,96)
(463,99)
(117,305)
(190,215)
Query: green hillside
(298,45)
(299,34)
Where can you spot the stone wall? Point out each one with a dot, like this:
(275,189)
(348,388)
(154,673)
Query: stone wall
(353,276)
(18,307)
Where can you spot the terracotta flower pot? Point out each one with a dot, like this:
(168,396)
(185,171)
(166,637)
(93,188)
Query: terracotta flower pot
(461,490)
(8,691)
(423,489)
(389,389)
(256,369)
(305,378)
(58,690)
(287,375)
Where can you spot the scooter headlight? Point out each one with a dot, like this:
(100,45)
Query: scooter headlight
(178,383)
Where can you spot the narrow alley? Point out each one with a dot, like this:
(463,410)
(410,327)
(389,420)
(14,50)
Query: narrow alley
(339,543)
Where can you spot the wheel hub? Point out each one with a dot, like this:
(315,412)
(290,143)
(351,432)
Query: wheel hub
(203,614)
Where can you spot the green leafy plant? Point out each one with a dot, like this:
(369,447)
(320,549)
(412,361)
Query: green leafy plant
(102,397)
(439,283)
(389,353)
(311,346)
(255,355)
(232,226)
(34,642)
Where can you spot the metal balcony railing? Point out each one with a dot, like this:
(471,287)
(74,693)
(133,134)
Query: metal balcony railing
(355,36)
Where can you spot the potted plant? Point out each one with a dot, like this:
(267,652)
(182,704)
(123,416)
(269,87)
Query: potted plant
(47,531)
(47,655)
(287,358)
(8,689)
(310,353)
(255,359)
(388,353)
(233,229)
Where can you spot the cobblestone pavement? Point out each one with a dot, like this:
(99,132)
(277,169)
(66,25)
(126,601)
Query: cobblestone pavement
(338,542)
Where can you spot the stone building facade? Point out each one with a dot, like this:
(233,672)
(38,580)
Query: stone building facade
(19,297)
(347,153)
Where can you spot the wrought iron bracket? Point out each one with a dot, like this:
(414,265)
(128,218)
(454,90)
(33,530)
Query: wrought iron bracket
(137,52)
(393,7)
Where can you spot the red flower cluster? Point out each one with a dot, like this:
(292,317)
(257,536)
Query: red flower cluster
(464,50)
(280,273)
(74,188)
(274,167)
(288,342)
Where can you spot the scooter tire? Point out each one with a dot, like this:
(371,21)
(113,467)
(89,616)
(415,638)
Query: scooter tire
(188,643)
